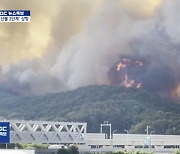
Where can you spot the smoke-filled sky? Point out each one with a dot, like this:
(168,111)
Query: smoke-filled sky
(74,43)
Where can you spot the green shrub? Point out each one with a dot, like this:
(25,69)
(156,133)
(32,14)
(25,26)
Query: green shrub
(70,150)
(63,151)
(73,150)
(177,152)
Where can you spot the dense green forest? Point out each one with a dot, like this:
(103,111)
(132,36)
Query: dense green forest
(131,109)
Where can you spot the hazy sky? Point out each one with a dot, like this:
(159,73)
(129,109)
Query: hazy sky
(29,40)
(66,17)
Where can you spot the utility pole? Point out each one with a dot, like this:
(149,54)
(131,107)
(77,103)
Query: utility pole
(147,130)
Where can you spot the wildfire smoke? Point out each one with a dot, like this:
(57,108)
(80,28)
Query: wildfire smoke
(84,42)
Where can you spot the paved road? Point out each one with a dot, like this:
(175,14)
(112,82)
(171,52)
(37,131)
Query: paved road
(17,151)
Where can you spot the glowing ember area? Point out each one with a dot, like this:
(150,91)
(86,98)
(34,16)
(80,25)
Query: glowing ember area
(120,66)
(130,83)
(125,62)
(138,85)
(127,82)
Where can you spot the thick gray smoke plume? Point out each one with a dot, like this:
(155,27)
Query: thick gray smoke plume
(87,54)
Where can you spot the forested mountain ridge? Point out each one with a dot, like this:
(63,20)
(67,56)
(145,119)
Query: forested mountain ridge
(130,108)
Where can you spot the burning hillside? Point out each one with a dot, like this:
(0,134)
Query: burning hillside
(126,81)
(131,43)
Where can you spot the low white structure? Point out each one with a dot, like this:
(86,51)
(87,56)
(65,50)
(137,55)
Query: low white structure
(133,140)
(47,132)
(76,133)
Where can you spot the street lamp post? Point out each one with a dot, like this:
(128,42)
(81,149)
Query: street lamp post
(147,137)
(106,124)
(127,132)
(147,130)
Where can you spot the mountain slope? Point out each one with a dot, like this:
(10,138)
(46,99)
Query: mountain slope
(125,108)
(6,93)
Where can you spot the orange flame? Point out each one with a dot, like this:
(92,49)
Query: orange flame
(120,66)
(130,83)
(124,64)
